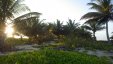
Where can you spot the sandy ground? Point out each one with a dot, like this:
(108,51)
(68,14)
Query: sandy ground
(23,48)
(29,48)
(98,53)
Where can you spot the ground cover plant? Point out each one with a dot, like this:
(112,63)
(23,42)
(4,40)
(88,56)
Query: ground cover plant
(51,57)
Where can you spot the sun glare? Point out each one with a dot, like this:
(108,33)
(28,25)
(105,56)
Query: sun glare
(9,31)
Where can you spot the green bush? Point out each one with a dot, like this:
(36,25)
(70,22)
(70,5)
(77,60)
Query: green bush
(51,57)
(96,45)
(75,42)
(10,44)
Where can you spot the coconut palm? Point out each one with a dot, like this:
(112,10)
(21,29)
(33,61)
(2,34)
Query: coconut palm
(7,10)
(94,27)
(103,13)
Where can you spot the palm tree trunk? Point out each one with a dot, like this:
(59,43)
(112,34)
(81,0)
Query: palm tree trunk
(2,34)
(2,39)
(107,34)
(94,36)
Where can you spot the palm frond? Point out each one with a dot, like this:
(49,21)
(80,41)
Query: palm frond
(96,7)
(92,15)
(100,27)
(87,27)
(20,8)
(111,16)
(28,15)
(111,7)
(17,7)
(93,20)
(103,20)
(93,24)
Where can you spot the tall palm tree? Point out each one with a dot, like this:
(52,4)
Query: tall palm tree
(7,10)
(94,27)
(103,13)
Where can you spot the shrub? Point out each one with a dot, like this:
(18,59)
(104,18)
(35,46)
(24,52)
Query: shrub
(10,44)
(16,41)
(77,42)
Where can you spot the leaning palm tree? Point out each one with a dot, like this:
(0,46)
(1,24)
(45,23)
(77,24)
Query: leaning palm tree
(7,10)
(94,27)
(28,24)
(103,13)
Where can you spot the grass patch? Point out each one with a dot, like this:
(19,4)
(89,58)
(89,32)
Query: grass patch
(96,46)
(51,57)
(16,41)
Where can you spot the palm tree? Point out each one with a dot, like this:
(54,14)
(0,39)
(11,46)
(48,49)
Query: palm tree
(29,24)
(57,28)
(32,27)
(7,10)
(103,13)
(94,27)
(60,29)
(71,25)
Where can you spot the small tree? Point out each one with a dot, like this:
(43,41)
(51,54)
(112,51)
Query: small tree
(94,27)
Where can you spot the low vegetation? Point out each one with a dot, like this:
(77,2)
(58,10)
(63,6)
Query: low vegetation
(51,57)
(87,44)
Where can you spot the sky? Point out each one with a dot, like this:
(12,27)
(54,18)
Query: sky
(64,10)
